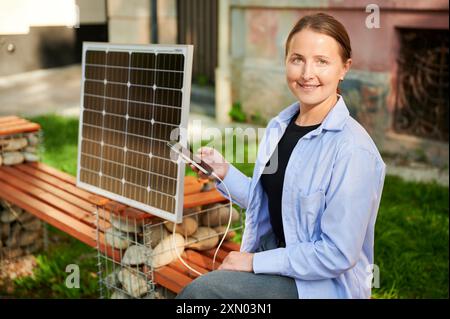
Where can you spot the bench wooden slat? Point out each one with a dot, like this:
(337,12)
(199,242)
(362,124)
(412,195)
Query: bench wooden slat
(13,123)
(55,190)
(189,179)
(67,199)
(133,213)
(59,183)
(4,119)
(201,260)
(203,198)
(115,207)
(54,172)
(52,215)
(171,279)
(221,254)
(192,188)
(191,184)
(228,245)
(51,199)
(180,267)
(22,128)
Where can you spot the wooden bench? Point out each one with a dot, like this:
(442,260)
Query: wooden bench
(53,197)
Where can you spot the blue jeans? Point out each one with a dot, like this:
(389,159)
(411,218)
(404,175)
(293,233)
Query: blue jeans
(226,284)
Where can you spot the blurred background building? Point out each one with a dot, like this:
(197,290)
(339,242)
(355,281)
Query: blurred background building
(397,87)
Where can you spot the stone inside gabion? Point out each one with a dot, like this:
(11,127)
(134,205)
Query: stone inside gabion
(146,247)
(21,233)
(19,148)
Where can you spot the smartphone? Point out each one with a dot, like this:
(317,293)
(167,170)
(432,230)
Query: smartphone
(189,157)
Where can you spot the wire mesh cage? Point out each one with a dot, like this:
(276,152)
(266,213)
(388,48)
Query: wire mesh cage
(21,233)
(132,247)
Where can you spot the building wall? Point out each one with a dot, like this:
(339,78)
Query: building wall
(45,41)
(167,21)
(129,21)
(41,47)
(256,60)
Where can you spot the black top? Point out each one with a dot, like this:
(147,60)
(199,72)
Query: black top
(273,183)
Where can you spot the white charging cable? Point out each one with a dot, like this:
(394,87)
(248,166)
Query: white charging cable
(229,218)
(223,237)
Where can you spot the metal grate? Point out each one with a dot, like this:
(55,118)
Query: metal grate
(422,84)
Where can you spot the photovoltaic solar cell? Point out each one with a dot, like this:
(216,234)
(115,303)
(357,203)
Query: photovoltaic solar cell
(132,100)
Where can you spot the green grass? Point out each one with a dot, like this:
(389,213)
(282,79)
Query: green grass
(411,237)
(411,246)
(60,142)
(48,280)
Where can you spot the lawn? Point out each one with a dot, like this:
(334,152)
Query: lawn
(411,238)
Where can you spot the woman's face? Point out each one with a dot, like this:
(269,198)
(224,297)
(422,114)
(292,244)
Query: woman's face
(314,67)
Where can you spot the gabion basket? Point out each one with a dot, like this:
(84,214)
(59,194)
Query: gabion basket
(144,243)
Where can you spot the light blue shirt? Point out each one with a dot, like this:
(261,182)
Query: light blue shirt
(331,194)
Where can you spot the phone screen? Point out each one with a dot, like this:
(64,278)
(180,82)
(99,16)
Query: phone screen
(189,157)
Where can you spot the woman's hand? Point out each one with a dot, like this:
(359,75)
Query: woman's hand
(214,159)
(238,261)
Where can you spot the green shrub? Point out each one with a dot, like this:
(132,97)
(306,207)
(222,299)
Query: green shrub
(237,114)
(258,119)
(202,80)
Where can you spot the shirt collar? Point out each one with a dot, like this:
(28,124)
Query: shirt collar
(334,121)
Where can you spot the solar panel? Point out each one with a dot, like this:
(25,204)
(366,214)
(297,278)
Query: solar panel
(132,99)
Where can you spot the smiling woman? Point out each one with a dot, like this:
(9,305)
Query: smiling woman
(313,199)
(318,56)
